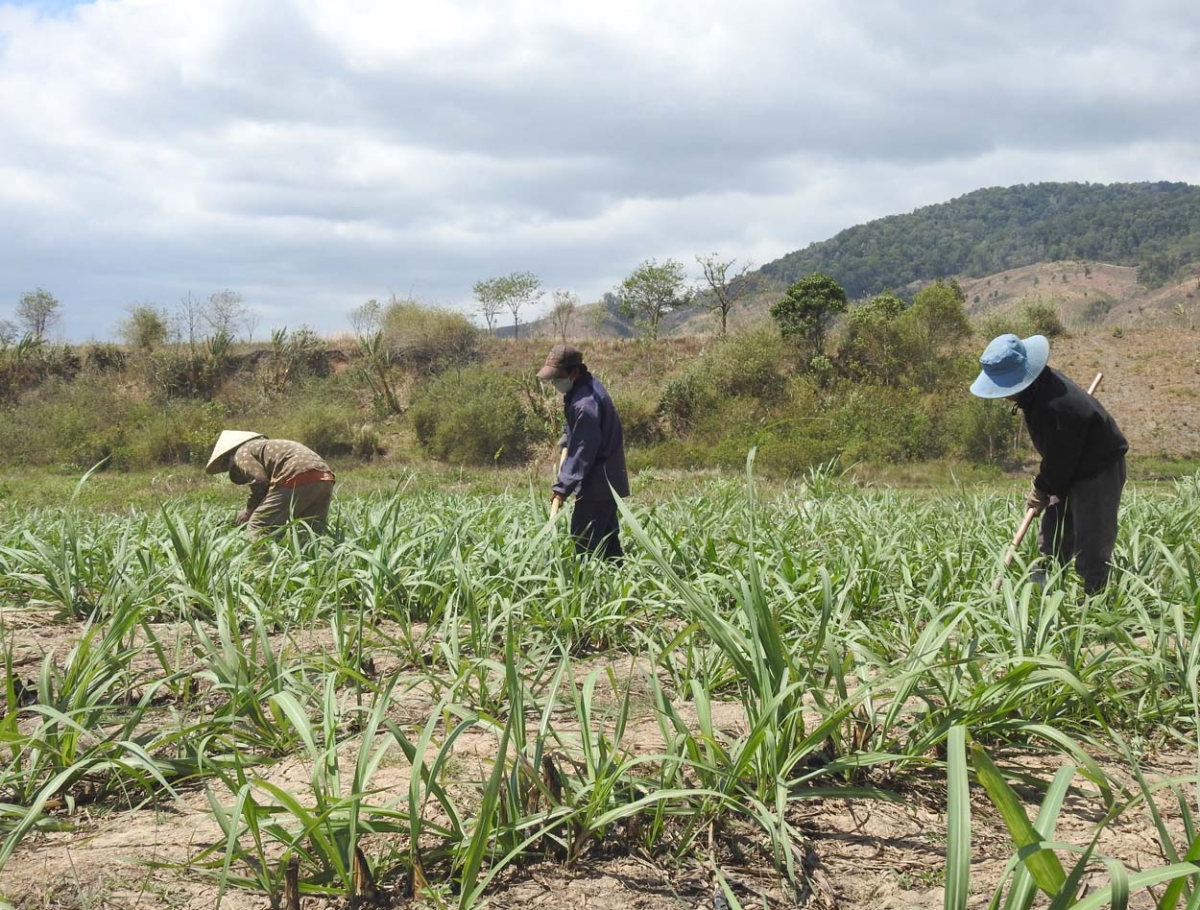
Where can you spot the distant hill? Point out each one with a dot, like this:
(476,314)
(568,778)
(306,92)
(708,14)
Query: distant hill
(1152,227)
(1118,254)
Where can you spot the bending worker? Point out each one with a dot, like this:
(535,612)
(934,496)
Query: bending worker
(594,465)
(1078,486)
(288,481)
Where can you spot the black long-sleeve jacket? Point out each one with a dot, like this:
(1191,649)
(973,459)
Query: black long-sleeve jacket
(595,444)
(1070,429)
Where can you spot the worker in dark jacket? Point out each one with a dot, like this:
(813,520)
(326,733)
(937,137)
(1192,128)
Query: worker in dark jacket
(594,466)
(1078,485)
(288,481)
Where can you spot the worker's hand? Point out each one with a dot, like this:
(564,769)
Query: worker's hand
(555,500)
(242,517)
(1037,499)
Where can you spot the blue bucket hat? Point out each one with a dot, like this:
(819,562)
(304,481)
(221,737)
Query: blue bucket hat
(1010,365)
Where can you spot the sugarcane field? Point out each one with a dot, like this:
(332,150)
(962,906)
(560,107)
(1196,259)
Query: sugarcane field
(811,695)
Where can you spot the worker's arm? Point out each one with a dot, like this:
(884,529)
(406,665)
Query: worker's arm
(583,445)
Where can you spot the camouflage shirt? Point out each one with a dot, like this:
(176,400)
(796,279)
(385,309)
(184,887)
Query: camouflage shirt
(265,463)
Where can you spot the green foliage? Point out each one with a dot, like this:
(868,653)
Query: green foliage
(1096,310)
(82,422)
(510,292)
(982,430)
(746,365)
(1155,226)
(426,340)
(935,327)
(324,424)
(294,356)
(808,309)
(831,642)
(1036,317)
(104,358)
(145,328)
(374,365)
(1042,319)
(873,344)
(651,291)
(641,421)
(472,416)
(920,345)
(37,311)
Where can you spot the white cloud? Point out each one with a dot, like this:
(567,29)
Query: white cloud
(316,152)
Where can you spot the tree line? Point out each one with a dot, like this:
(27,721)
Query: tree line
(645,296)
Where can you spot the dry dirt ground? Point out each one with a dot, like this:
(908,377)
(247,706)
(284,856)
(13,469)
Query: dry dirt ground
(859,854)
(1151,383)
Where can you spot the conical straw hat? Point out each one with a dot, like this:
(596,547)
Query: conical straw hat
(226,443)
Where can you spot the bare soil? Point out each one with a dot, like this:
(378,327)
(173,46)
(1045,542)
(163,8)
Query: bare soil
(1151,383)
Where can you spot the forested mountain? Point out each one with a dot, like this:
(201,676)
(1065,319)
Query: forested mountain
(1153,226)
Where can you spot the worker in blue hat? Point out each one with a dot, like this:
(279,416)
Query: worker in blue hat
(1078,486)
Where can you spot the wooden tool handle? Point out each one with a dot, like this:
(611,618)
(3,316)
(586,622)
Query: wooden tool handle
(557,503)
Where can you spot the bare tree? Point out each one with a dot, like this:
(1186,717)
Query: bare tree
(561,312)
(37,311)
(725,282)
(366,318)
(189,320)
(251,321)
(226,312)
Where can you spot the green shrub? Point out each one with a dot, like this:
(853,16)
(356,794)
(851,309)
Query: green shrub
(1040,318)
(879,424)
(872,346)
(428,340)
(640,420)
(179,432)
(750,364)
(1036,317)
(746,365)
(981,430)
(1096,310)
(104,358)
(686,398)
(320,421)
(69,424)
(472,416)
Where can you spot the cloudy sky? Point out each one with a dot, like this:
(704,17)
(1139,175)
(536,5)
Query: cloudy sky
(312,154)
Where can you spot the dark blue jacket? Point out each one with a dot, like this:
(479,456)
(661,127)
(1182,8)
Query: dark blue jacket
(595,444)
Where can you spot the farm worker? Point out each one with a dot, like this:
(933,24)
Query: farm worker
(288,481)
(594,466)
(1078,486)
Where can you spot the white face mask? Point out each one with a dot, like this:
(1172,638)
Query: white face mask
(563,385)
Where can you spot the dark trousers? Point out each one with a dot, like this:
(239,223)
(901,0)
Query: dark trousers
(594,527)
(1083,526)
